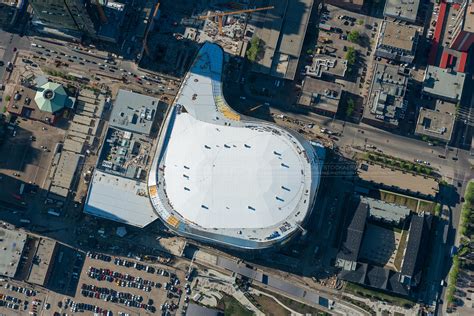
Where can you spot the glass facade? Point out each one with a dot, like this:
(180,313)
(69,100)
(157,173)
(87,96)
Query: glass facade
(77,15)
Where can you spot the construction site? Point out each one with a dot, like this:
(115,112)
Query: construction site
(171,44)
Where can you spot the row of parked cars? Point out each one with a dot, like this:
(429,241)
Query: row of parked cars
(19,289)
(110,295)
(82,307)
(99,256)
(123,280)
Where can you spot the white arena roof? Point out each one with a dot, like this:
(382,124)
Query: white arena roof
(228,177)
(225,179)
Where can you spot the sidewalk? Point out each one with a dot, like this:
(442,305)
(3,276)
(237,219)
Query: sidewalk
(255,291)
(380,307)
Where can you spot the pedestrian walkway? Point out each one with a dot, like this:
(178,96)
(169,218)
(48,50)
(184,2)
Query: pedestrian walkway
(293,312)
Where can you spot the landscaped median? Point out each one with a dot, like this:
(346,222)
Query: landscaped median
(466,231)
(399,164)
(453,276)
(466,223)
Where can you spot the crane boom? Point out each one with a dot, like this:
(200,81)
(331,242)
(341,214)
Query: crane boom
(203,17)
(219,15)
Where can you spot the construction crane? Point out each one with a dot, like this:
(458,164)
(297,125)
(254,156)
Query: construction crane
(102,16)
(150,28)
(219,15)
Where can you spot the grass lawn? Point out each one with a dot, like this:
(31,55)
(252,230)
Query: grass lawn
(391,197)
(232,307)
(416,205)
(268,306)
(294,305)
(427,206)
(362,291)
(401,248)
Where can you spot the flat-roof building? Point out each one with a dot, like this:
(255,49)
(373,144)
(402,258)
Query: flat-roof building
(435,124)
(134,112)
(282,30)
(12,243)
(119,199)
(326,66)
(397,42)
(118,189)
(354,5)
(386,212)
(444,84)
(42,261)
(320,96)
(406,10)
(386,101)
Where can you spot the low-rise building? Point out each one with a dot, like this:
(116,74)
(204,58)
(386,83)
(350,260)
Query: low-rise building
(354,5)
(436,124)
(320,96)
(397,42)
(376,255)
(282,30)
(406,10)
(134,112)
(386,104)
(326,66)
(12,243)
(44,101)
(444,84)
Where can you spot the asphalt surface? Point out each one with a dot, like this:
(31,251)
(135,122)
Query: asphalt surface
(10,41)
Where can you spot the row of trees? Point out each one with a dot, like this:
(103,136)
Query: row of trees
(404,165)
(465,229)
(467,212)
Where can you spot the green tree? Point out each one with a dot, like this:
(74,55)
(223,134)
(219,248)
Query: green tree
(351,56)
(354,36)
(7,98)
(255,48)
(350,107)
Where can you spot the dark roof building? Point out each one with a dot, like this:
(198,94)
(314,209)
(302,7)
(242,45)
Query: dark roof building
(383,277)
(349,252)
(415,250)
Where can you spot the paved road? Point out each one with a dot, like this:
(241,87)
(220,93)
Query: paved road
(8,42)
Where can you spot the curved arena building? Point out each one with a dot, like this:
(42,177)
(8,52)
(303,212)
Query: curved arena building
(220,178)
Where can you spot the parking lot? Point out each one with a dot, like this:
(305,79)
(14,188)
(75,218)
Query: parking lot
(27,152)
(123,286)
(16,299)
